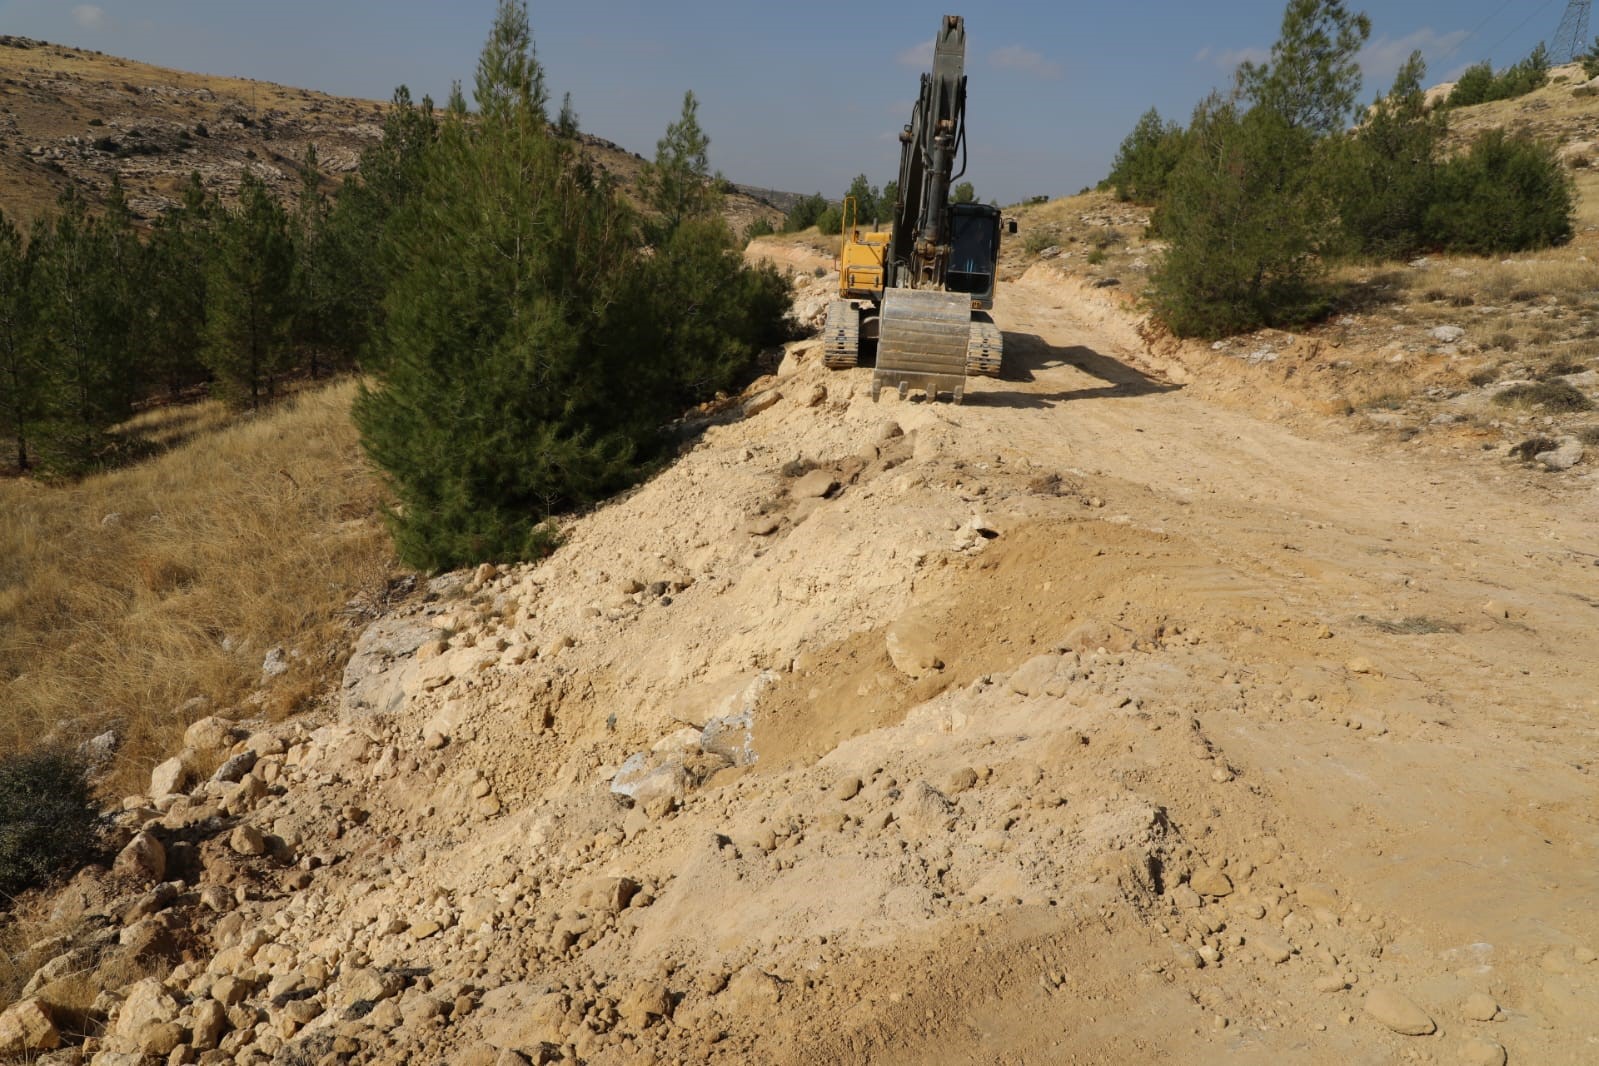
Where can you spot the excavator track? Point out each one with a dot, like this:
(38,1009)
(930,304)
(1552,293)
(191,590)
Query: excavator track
(984,348)
(841,336)
(922,342)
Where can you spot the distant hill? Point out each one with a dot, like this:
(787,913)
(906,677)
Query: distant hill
(71,116)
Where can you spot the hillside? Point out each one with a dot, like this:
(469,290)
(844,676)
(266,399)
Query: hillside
(1163,702)
(70,116)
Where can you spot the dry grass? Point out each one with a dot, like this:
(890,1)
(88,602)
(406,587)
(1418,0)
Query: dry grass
(129,593)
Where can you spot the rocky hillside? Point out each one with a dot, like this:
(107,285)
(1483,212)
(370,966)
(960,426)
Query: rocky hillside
(70,116)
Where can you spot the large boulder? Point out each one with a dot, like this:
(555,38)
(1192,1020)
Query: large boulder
(26,1028)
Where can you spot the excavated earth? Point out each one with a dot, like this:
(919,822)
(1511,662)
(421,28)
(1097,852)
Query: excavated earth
(1091,721)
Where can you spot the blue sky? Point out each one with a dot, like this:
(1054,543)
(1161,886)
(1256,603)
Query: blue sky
(798,96)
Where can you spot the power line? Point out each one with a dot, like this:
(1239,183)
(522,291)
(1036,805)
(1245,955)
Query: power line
(1521,25)
(1479,28)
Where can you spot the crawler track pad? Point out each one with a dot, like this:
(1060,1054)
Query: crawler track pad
(922,342)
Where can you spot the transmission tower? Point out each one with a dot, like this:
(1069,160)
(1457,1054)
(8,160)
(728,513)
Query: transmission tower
(1571,39)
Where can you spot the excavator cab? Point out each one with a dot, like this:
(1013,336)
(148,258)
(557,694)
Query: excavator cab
(974,251)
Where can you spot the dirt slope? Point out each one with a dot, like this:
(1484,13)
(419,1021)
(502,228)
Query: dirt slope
(1090,721)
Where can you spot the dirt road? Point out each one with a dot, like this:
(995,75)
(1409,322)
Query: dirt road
(1095,720)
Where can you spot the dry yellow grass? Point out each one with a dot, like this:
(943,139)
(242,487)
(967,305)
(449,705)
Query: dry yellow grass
(127,594)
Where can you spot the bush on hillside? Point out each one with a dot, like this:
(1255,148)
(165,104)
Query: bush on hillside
(804,213)
(1480,85)
(831,221)
(48,822)
(1242,217)
(1507,193)
(1383,178)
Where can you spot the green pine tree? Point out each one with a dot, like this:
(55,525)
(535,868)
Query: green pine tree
(1146,159)
(22,383)
(678,185)
(325,328)
(1313,77)
(175,274)
(249,298)
(507,393)
(85,329)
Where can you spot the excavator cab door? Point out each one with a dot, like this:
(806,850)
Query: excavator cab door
(974,251)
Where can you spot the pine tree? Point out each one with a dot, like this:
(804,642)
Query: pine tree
(1384,177)
(1145,160)
(506,393)
(1313,77)
(175,273)
(867,200)
(677,185)
(324,327)
(21,377)
(249,294)
(85,331)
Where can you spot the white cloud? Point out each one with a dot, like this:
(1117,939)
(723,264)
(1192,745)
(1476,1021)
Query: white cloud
(1381,59)
(919,56)
(1228,59)
(90,16)
(1015,57)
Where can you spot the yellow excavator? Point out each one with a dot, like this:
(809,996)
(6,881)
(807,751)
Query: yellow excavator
(922,291)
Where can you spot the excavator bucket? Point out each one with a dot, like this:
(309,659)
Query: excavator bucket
(922,342)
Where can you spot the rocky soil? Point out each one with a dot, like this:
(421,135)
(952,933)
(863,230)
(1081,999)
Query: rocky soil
(1094,720)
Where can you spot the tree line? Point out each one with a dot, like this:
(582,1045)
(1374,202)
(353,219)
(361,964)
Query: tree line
(873,206)
(97,316)
(1269,184)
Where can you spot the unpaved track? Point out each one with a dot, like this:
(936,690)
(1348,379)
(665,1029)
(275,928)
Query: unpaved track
(1465,806)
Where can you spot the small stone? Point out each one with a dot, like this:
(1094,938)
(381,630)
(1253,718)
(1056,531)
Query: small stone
(247,840)
(1398,1012)
(1209,881)
(1186,898)
(234,769)
(761,402)
(912,648)
(847,788)
(434,741)
(1448,334)
(1273,949)
(960,781)
(169,778)
(1476,1052)
(1319,894)
(210,735)
(144,859)
(1358,665)
(424,929)
(761,525)
(817,397)
(816,484)
(1331,983)
(1480,1007)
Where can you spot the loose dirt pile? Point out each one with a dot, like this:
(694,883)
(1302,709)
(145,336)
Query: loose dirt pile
(1089,721)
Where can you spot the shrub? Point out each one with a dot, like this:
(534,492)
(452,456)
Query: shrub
(1507,193)
(759,228)
(831,221)
(1244,225)
(1550,395)
(48,822)
(1480,85)
(804,213)
(1588,434)
(1037,240)
(1096,257)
